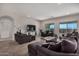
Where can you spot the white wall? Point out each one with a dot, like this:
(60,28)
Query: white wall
(56,21)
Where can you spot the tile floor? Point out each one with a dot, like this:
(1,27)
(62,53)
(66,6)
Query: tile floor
(12,48)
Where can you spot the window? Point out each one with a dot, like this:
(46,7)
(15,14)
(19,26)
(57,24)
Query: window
(50,26)
(63,26)
(67,26)
(72,25)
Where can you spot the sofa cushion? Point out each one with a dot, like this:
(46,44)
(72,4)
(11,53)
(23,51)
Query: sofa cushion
(41,51)
(45,45)
(56,47)
(68,46)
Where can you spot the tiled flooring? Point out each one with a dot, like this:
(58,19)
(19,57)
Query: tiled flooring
(12,48)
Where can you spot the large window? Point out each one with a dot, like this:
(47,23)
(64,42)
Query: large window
(68,26)
(72,25)
(63,26)
(50,26)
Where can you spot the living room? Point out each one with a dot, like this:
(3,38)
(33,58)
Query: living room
(26,26)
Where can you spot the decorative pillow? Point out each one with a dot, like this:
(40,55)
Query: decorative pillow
(69,46)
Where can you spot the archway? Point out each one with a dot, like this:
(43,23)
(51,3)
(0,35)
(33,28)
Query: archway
(6,26)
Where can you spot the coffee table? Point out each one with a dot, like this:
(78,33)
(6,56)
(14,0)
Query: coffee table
(47,38)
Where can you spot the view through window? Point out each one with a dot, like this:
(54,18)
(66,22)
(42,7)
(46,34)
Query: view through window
(68,26)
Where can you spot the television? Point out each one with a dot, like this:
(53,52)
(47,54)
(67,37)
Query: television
(31,28)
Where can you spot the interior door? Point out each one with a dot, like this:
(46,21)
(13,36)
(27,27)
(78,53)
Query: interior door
(5,27)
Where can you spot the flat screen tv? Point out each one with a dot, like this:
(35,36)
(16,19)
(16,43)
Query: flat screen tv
(31,28)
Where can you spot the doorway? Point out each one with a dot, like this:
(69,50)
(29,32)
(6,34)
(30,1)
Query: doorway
(6,27)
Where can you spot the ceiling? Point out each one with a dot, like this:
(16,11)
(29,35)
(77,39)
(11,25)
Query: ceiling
(42,11)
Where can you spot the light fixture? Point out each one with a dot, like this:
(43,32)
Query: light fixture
(67,13)
(28,16)
(59,3)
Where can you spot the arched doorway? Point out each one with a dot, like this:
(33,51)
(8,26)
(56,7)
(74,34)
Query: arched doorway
(6,27)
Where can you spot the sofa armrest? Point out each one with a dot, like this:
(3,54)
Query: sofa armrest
(32,51)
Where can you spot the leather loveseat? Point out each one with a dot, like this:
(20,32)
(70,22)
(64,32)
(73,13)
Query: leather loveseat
(23,38)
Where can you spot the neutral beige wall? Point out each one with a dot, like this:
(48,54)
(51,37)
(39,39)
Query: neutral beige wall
(56,21)
(28,21)
(20,19)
